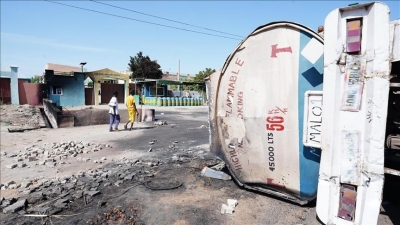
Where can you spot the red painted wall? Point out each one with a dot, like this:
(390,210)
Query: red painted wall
(31,94)
(5,90)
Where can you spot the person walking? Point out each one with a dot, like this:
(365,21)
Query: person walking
(114,114)
(132,111)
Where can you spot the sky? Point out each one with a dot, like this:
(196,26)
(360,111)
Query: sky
(34,33)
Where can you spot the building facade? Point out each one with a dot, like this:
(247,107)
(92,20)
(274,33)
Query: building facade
(9,86)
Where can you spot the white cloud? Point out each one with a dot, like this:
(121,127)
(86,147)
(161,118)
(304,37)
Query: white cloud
(48,42)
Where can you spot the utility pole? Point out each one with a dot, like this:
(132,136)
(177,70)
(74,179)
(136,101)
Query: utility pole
(82,64)
(179,74)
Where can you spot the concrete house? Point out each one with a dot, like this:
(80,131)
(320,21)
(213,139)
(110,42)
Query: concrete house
(65,84)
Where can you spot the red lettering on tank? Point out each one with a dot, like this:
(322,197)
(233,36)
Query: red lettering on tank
(275,50)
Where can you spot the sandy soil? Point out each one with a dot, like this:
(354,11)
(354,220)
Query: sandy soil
(197,201)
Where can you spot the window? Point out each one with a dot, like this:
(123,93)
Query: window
(57,90)
(160,91)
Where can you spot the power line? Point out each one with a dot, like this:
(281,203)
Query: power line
(162,25)
(164,18)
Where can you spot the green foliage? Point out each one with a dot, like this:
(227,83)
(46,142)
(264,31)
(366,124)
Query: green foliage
(189,87)
(173,87)
(203,74)
(199,78)
(35,80)
(143,67)
(90,84)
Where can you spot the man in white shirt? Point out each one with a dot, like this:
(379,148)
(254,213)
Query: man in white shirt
(114,114)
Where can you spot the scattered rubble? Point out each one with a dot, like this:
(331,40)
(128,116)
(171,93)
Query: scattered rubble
(52,195)
(219,166)
(53,153)
(160,123)
(229,208)
(12,166)
(208,172)
(15,207)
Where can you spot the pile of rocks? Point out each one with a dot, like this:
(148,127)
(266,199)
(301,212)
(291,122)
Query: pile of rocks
(59,193)
(21,115)
(52,195)
(53,153)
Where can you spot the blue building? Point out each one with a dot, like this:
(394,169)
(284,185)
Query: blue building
(9,86)
(66,88)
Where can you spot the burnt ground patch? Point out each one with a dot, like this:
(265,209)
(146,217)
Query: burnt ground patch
(157,191)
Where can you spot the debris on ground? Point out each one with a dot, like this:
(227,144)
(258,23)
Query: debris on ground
(23,117)
(160,123)
(229,208)
(117,215)
(220,166)
(51,196)
(53,153)
(22,129)
(208,172)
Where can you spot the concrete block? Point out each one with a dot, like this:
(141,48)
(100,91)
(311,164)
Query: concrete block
(20,204)
(92,193)
(11,166)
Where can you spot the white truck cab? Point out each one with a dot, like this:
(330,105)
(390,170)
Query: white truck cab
(360,125)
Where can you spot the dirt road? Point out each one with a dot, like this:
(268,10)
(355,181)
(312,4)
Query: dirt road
(114,178)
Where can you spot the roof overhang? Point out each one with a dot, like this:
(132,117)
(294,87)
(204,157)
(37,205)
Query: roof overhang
(167,82)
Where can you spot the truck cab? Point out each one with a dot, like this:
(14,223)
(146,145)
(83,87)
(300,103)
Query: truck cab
(361,108)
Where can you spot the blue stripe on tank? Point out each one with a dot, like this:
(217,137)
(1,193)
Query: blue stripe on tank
(310,78)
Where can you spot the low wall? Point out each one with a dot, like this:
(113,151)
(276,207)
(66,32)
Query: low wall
(65,120)
(87,117)
(51,112)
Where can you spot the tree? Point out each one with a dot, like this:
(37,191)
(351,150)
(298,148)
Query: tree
(203,74)
(143,67)
(35,79)
(200,77)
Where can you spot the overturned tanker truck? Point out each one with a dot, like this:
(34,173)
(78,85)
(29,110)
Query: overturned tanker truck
(257,108)
(267,103)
